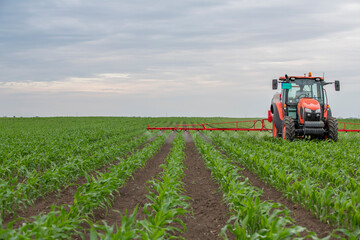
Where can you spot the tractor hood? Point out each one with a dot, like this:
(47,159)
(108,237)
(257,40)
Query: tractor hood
(309,110)
(309,103)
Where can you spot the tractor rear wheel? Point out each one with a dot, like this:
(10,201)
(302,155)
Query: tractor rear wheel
(288,131)
(332,129)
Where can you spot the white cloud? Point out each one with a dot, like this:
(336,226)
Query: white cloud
(108,83)
(113,75)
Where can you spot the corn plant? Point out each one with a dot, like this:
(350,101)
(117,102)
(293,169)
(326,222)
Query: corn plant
(128,229)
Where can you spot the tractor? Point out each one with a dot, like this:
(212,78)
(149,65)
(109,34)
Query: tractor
(301,110)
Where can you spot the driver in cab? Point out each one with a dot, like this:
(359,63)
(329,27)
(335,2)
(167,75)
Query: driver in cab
(301,93)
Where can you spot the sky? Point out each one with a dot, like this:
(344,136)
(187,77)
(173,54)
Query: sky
(162,58)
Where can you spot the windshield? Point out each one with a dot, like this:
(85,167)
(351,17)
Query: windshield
(301,88)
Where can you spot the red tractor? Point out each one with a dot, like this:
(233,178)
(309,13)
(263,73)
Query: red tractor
(301,109)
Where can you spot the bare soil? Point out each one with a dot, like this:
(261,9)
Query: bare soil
(210,214)
(134,192)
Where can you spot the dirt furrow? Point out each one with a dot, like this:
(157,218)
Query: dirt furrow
(62,197)
(210,213)
(300,215)
(134,192)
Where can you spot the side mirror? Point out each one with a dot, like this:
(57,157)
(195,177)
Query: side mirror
(337,85)
(274,84)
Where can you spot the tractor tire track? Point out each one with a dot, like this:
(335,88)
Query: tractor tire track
(210,214)
(300,215)
(62,197)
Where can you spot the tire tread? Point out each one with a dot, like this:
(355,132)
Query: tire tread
(290,128)
(332,128)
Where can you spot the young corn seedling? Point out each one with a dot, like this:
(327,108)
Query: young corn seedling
(166,200)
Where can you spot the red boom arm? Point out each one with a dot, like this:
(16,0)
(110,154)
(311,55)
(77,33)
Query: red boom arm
(211,127)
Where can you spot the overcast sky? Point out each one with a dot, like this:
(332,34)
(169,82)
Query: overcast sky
(172,58)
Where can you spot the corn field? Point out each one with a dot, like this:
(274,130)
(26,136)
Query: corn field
(64,178)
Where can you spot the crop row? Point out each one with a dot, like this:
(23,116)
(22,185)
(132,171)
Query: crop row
(320,161)
(166,204)
(40,138)
(54,155)
(326,202)
(61,223)
(23,155)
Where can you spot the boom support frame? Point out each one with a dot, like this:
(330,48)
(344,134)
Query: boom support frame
(345,129)
(255,126)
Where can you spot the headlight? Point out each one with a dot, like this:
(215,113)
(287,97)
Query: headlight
(317,110)
(307,110)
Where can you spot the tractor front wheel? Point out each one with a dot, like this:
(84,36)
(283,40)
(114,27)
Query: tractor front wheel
(288,131)
(332,129)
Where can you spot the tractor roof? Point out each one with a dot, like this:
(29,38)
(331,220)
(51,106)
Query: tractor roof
(301,77)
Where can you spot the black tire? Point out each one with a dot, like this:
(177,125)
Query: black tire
(332,129)
(288,132)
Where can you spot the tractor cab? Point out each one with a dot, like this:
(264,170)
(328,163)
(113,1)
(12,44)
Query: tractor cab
(301,96)
(302,104)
